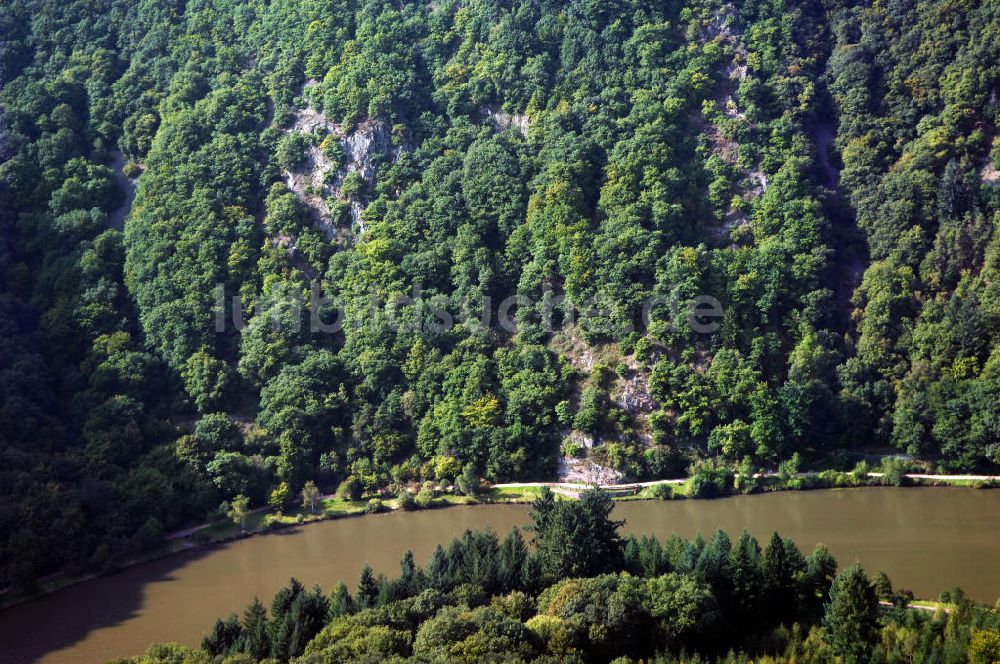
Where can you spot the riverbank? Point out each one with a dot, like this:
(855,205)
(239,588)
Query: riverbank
(329,508)
(927,540)
(733,484)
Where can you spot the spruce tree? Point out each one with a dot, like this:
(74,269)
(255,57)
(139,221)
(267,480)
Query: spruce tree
(851,619)
(437,569)
(256,640)
(406,584)
(367,595)
(653,560)
(576,538)
(341,603)
(821,567)
(307,617)
(780,566)
(746,583)
(224,637)
(511,561)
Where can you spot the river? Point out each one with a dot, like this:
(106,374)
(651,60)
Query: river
(928,540)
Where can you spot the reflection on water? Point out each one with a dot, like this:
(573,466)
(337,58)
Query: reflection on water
(928,540)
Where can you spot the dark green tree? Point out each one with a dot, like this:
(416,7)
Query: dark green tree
(850,623)
(256,640)
(368,589)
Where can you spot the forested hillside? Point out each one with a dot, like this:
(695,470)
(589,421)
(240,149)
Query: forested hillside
(826,172)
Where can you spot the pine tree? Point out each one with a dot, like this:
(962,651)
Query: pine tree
(281,638)
(541,512)
(341,603)
(479,563)
(224,637)
(281,604)
(510,562)
(576,538)
(437,569)
(368,589)
(281,625)
(851,619)
(712,563)
(630,556)
(307,617)
(746,584)
(883,586)
(601,532)
(406,584)
(779,569)
(256,640)
(821,567)
(653,559)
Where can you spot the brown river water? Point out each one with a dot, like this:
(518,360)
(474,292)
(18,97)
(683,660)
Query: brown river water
(928,540)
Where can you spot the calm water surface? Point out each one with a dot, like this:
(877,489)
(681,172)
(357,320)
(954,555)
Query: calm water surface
(928,540)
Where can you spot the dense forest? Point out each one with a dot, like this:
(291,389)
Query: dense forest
(602,599)
(193,192)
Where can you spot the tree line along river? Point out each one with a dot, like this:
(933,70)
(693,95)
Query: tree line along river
(927,539)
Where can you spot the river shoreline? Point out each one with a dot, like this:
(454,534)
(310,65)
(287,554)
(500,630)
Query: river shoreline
(518,493)
(927,541)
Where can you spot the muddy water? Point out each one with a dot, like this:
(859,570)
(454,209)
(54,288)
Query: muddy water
(928,540)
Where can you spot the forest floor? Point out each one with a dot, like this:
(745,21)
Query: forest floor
(116,218)
(850,251)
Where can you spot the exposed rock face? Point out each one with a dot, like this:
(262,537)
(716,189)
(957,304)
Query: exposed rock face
(753,181)
(758,182)
(503,120)
(585,471)
(582,439)
(990,174)
(634,397)
(319,182)
(364,145)
(308,182)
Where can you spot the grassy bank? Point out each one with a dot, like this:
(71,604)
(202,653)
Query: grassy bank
(717,485)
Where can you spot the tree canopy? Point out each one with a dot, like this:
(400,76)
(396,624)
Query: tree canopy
(698,230)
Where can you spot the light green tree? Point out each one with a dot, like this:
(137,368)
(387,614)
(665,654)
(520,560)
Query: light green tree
(280,496)
(239,508)
(310,496)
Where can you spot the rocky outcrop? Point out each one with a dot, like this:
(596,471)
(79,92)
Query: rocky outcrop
(990,174)
(634,397)
(364,145)
(319,181)
(585,471)
(752,182)
(502,121)
(581,439)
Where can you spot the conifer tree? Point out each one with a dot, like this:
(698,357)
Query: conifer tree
(368,589)
(851,619)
